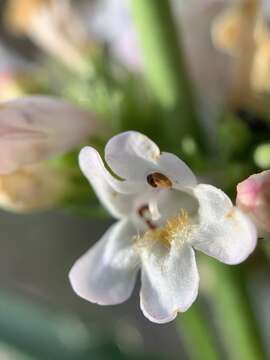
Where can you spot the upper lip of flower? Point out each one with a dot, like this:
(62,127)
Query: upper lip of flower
(153,231)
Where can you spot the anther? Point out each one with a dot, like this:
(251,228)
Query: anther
(142,212)
(159,180)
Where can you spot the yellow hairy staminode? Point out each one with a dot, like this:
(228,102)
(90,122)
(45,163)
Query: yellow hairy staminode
(175,228)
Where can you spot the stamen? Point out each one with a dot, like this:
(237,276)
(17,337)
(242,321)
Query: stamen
(159,180)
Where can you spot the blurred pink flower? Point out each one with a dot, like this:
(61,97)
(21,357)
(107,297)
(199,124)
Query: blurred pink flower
(253,197)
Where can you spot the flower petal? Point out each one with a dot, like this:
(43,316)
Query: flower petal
(133,156)
(106,274)
(225,233)
(105,185)
(171,202)
(170,283)
(176,170)
(35,128)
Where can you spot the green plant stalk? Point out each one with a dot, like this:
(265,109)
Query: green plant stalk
(194,330)
(234,315)
(165,66)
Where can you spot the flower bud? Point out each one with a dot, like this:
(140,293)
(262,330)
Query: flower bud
(253,197)
(35,128)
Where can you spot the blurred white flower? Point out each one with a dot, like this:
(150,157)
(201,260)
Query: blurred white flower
(111,22)
(9,85)
(32,187)
(163,216)
(218,78)
(32,130)
(52,25)
(253,198)
(241,31)
(209,69)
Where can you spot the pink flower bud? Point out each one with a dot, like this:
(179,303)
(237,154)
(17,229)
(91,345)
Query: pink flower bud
(253,197)
(33,129)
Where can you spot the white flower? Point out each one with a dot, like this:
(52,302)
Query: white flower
(163,216)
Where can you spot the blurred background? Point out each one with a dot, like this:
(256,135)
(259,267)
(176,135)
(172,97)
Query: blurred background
(194,77)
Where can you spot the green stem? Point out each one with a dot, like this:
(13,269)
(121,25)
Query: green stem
(165,66)
(194,330)
(234,314)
